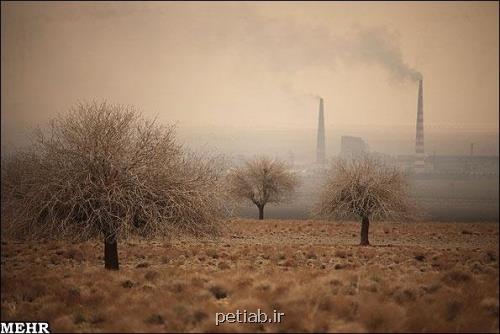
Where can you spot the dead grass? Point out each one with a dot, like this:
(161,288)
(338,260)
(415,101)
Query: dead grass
(312,271)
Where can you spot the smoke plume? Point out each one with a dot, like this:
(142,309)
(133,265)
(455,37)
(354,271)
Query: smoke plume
(284,43)
(289,46)
(379,46)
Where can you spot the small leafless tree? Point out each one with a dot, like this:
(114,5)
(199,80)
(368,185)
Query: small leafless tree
(262,180)
(102,170)
(366,188)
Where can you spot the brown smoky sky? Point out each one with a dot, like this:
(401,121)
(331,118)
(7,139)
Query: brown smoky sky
(251,70)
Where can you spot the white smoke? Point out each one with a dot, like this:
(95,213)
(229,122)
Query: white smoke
(288,46)
(379,46)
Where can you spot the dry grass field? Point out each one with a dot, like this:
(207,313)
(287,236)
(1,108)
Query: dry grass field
(421,277)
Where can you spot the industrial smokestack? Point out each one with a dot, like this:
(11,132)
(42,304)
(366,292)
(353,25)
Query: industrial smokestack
(320,145)
(419,141)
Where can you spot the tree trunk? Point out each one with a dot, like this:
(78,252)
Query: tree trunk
(365,225)
(110,253)
(261,212)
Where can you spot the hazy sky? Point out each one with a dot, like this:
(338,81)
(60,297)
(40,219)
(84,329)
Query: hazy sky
(253,66)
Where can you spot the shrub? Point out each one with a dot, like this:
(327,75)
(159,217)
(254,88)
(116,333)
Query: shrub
(103,170)
(366,188)
(261,181)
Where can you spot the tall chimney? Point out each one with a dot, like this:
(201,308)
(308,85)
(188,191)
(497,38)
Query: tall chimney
(320,145)
(419,143)
(419,140)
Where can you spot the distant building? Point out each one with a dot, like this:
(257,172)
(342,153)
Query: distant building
(351,147)
(471,165)
(450,165)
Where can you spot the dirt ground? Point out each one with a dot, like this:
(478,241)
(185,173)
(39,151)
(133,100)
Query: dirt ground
(419,277)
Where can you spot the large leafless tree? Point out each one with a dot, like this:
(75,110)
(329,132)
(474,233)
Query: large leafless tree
(367,188)
(262,180)
(103,170)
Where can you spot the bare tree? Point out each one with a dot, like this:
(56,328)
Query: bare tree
(102,170)
(262,180)
(366,188)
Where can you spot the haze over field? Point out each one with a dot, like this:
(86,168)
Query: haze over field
(363,135)
(242,77)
